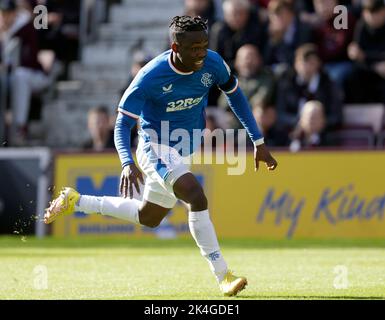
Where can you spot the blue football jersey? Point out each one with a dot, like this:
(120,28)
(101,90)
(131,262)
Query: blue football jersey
(169,101)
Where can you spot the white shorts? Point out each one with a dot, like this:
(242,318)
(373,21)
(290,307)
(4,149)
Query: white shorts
(162,165)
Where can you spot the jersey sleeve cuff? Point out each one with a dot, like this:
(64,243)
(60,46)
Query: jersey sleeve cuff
(127,163)
(259,142)
(129,114)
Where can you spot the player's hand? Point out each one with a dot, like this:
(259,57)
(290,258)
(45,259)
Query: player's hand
(129,177)
(262,154)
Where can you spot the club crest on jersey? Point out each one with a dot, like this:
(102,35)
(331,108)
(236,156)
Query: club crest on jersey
(167,89)
(214,255)
(207,80)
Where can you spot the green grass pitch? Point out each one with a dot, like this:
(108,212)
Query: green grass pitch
(173,269)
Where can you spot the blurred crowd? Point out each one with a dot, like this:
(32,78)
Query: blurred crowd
(34,56)
(298,62)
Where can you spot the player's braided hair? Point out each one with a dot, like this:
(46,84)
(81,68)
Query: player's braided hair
(181,24)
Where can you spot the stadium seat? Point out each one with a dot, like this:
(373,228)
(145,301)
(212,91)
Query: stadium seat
(361,136)
(360,124)
(364,115)
(381,138)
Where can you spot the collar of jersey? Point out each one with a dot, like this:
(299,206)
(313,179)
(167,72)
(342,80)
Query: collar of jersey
(175,69)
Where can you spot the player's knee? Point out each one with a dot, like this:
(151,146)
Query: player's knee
(190,191)
(197,198)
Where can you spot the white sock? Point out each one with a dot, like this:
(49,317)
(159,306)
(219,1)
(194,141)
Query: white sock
(121,208)
(204,235)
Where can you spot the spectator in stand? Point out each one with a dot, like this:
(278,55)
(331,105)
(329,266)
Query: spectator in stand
(307,81)
(26,78)
(285,34)
(367,83)
(256,81)
(332,42)
(355,7)
(299,6)
(309,131)
(62,34)
(28,5)
(240,26)
(266,117)
(100,129)
(139,60)
(202,8)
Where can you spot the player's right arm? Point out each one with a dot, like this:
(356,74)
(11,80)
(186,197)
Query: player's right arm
(129,109)
(130,173)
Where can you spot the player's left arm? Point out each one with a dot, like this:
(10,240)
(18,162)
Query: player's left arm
(240,106)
